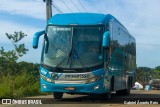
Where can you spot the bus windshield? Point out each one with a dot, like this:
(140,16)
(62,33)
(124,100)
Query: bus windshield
(73,47)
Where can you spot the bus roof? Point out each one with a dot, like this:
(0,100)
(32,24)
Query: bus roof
(79,19)
(82,19)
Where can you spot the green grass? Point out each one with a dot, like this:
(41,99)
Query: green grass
(5,87)
(19,86)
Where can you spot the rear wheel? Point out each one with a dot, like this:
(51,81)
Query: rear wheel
(127,90)
(119,92)
(57,95)
(108,95)
(124,91)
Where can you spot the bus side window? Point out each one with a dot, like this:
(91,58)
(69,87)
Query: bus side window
(107,27)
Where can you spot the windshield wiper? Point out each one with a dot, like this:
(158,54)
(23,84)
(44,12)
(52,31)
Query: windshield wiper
(70,56)
(72,53)
(61,61)
(71,59)
(81,62)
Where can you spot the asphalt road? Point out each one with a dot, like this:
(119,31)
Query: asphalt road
(86,101)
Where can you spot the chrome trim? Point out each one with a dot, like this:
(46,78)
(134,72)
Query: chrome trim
(64,76)
(69,82)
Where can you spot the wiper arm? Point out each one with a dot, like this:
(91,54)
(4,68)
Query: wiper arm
(71,51)
(81,62)
(61,61)
(70,57)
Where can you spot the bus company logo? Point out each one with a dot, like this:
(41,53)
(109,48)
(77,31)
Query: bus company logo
(6,101)
(54,76)
(77,76)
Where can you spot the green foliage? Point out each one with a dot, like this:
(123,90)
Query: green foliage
(17,36)
(30,68)
(5,86)
(20,49)
(19,86)
(9,58)
(17,79)
(145,74)
(156,73)
(157,68)
(25,82)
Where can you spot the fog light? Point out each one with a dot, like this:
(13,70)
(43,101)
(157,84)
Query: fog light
(44,86)
(96,87)
(94,79)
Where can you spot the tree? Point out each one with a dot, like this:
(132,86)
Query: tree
(144,75)
(157,68)
(20,49)
(9,58)
(156,73)
(18,79)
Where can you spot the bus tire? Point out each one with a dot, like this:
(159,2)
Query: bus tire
(124,91)
(119,92)
(57,95)
(108,95)
(92,96)
(127,90)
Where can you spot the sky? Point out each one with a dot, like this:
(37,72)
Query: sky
(140,17)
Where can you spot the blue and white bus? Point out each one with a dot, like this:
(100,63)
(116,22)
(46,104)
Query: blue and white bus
(86,53)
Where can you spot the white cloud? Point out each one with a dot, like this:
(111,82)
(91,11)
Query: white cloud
(141,18)
(33,8)
(11,27)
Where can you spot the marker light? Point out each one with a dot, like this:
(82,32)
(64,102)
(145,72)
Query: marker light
(96,87)
(44,86)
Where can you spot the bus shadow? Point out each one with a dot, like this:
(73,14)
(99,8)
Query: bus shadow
(114,100)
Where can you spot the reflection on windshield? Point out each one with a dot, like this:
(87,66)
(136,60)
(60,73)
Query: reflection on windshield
(59,45)
(86,47)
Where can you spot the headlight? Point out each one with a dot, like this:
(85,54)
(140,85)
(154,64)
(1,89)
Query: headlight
(94,79)
(46,79)
(43,72)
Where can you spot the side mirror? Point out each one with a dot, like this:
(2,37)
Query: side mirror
(105,42)
(36,38)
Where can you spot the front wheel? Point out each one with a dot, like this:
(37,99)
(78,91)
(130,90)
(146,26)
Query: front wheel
(107,95)
(57,95)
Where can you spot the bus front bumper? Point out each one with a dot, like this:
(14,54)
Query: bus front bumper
(91,88)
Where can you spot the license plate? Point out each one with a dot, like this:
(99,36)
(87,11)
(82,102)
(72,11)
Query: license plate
(70,88)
